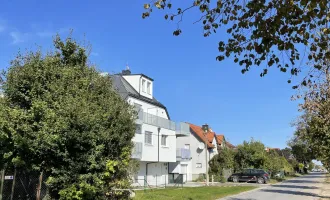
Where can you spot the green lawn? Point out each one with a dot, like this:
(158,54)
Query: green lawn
(196,193)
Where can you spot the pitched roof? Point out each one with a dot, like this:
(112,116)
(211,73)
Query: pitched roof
(220,139)
(229,145)
(200,134)
(125,89)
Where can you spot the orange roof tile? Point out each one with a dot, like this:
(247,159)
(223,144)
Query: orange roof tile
(200,133)
(220,139)
(229,145)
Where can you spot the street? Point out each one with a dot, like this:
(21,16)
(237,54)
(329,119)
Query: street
(302,188)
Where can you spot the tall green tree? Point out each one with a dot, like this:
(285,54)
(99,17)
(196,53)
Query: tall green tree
(60,117)
(290,35)
(301,150)
(250,154)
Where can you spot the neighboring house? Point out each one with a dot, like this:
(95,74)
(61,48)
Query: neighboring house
(195,166)
(221,142)
(155,137)
(229,145)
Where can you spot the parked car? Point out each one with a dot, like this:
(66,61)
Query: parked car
(251,175)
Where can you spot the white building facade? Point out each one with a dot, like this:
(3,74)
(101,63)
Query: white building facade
(155,137)
(195,166)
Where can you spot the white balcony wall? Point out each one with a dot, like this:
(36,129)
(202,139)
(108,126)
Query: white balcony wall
(150,151)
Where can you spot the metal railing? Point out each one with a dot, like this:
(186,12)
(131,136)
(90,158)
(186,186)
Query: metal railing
(182,129)
(155,120)
(182,154)
(137,150)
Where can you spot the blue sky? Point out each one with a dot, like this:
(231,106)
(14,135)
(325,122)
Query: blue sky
(188,80)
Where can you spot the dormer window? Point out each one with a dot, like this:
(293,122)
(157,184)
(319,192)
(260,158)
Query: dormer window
(148,87)
(143,85)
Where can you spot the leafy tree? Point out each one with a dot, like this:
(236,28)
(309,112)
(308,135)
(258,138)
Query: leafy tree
(250,154)
(274,33)
(287,153)
(60,117)
(301,151)
(221,161)
(311,166)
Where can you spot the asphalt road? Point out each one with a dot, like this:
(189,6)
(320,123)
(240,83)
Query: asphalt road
(306,187)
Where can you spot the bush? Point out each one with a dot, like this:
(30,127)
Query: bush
(60,116)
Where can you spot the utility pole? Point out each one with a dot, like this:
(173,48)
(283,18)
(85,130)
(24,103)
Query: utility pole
(206,129)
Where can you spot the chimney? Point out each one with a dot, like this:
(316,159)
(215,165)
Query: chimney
(126,71)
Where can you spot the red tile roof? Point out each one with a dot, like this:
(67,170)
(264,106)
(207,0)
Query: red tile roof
(200,133)
(229,145)
(220,139)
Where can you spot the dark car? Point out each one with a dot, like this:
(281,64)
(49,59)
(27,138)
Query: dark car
(251,175)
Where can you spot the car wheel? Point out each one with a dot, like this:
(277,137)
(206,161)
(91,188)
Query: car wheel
(260,180)
(235,179)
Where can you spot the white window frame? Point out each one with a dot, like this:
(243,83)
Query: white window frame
(199,165)
(148,87)
(145,138)
(144,85)
(161,141)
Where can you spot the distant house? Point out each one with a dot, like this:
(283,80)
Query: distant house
(221,142)
(229,145)
(194,167)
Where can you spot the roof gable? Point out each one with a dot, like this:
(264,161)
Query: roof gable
(125,89)
(220,139)
(200,134)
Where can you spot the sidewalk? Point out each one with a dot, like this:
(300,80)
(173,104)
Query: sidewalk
(326,188)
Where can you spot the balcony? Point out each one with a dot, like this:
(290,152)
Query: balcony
(182,129)
(183,154)
(146,118)
(137,150)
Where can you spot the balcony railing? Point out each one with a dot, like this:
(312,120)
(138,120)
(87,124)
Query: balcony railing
(182,129)
(183,154)
(155,120)
(137,150)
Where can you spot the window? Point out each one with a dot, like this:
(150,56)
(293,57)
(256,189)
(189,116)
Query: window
(143,85)
(187,146)
(198,165)
(138,129)
(138,109)
(149,87)
(148,137)
(246,171)
(164,140)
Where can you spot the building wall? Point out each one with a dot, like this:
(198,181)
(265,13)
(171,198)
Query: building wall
(156,174)
(198,156)
(150,152)
(134,80)
(213,151)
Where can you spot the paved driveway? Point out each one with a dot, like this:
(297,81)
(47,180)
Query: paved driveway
(302,188)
